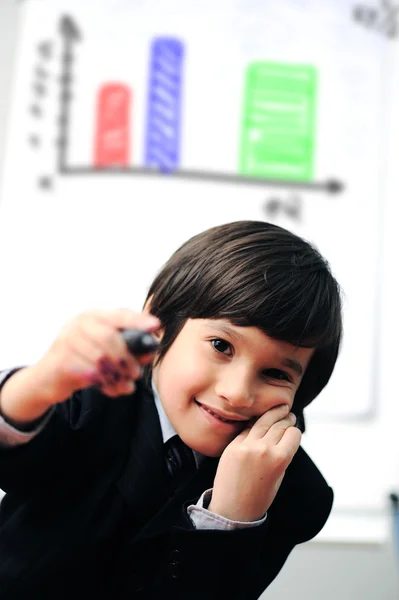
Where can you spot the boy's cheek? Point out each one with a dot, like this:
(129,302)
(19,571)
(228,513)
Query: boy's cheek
(276,397)
(189,376)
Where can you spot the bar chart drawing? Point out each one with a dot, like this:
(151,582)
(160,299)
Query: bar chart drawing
(278,127)
(162,152)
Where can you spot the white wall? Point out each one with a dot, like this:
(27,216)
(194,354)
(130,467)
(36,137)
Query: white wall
(316,570)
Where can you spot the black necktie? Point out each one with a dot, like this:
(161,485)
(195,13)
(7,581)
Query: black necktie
(179,458)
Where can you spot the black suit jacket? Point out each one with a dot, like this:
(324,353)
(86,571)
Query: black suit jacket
(89,513)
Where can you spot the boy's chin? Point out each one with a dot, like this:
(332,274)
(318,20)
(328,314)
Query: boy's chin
(206,449)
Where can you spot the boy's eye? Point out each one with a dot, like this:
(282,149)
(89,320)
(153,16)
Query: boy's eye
(222,346)
(276,374)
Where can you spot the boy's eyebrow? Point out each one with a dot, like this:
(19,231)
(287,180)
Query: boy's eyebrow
(292,364)
(229,331)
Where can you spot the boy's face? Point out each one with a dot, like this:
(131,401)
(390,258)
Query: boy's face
(238,373)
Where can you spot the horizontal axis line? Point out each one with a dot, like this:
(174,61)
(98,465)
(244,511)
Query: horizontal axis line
(331,186)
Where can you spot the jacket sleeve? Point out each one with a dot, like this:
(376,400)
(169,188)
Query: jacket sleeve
(203,565)
(239,564)
(62,448)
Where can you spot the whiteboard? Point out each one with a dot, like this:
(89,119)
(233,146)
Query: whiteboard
(136,124)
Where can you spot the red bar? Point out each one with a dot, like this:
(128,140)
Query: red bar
(112,136)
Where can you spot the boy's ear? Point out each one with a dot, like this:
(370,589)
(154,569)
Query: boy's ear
(147,309)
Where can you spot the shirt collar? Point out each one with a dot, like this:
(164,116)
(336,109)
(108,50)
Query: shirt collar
(168,431)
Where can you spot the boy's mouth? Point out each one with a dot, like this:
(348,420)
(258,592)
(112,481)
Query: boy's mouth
(237,421)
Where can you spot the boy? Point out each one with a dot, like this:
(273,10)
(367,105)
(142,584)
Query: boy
(98,505)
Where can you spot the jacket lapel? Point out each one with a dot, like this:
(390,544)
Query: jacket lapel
(171,513)
(145,472)
(145,481)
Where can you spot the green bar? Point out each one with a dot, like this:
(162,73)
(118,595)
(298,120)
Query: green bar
(278,125)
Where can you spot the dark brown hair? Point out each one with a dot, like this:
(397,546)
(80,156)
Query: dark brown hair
(255,274)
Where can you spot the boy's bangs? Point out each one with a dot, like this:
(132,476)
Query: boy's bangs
(303,309)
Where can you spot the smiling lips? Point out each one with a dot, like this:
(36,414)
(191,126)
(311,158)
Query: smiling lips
(235,420)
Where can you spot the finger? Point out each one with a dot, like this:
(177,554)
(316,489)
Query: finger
(101,371)
(116,366)
(86,343)
(108,349)
(125,388)
(288,445)
(81,371)
(277,430)
(84,369)
(123,318)
(241,437)
(279,480)
(101,328)
(263,424)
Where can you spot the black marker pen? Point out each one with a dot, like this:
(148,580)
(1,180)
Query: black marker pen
(139,342)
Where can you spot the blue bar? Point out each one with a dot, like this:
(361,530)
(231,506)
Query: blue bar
(162,144)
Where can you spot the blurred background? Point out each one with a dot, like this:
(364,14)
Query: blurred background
(124,119)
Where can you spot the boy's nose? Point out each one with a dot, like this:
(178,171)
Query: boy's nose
(236,391)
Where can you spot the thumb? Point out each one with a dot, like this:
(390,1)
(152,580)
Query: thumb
(241,437)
